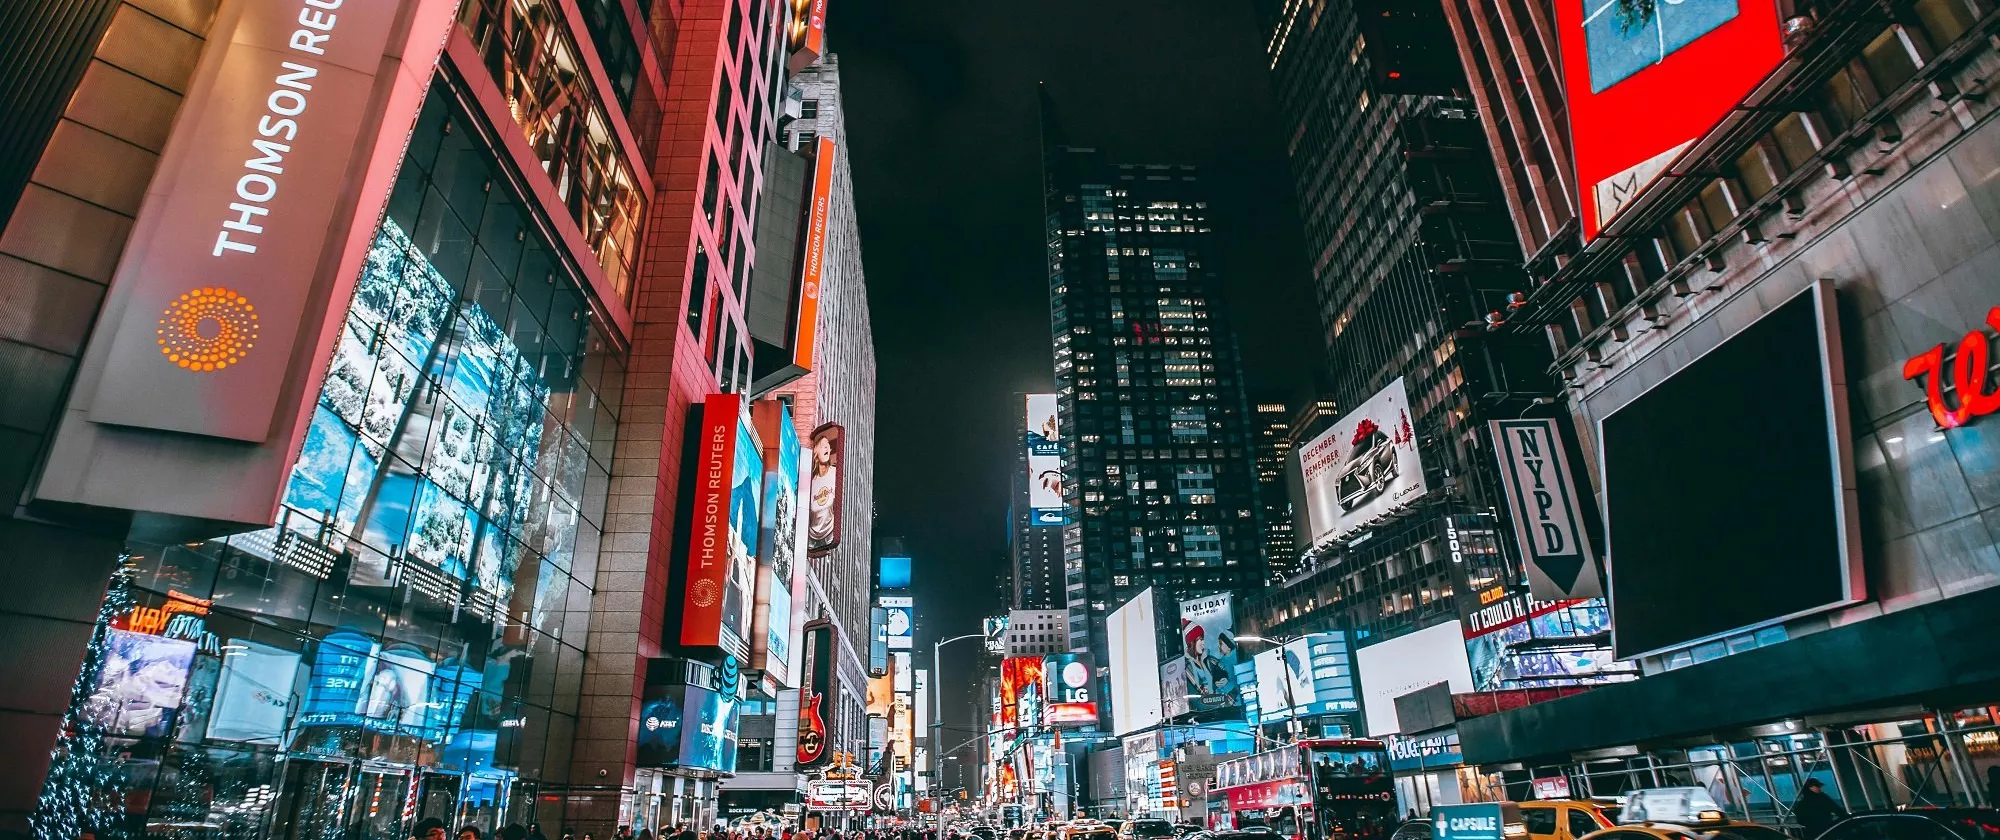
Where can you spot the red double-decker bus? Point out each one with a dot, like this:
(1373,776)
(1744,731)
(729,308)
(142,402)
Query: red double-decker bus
(1325,789)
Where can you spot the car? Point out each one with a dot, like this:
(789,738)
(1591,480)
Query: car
(1566,819)
(1918,824)
(1087,831)
(1145,829)
(1417,829)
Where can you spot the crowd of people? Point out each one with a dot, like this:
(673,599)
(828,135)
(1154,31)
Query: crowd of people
(435,829)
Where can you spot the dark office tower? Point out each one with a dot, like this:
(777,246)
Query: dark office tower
(1412,247)
(1508,48)
(1271,426)
(1034,542)
(1158,478)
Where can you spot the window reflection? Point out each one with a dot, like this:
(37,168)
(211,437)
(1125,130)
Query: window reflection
(534,59)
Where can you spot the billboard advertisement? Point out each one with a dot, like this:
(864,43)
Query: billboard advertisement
(140,687)
(780,545)
(805,333)
(1021,691)
(1548,519)
(1622,59)
(995,629)
(1364,467)
(660,718)
(1131,633)
(1542,643)
(721,563)
(894,573)
(1045,449)
(253,698)
(1792,545)
(708,730)
(825,497)
(1396,667)
(1284,679)
(1208,653)
(815,685)
(1069,681)
(899,622)
(880,694)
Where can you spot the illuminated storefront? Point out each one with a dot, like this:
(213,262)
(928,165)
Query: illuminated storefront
(400,645)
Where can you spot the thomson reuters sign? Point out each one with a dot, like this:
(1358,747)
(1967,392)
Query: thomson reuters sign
(232,248)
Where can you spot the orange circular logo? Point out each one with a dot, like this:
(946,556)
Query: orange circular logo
(208,329)
(702,593)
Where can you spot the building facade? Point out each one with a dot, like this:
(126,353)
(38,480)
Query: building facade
(1414,258)
(1159,480)
(1861,218)
(435,391)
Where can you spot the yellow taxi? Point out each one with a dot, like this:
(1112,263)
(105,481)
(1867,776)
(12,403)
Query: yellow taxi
(1679,813)
(1567,819)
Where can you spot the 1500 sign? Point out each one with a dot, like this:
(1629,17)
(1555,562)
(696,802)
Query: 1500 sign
(1969,369)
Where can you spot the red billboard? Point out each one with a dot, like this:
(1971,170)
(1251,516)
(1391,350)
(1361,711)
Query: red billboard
(725,496)
(1645,79)
(1021,690)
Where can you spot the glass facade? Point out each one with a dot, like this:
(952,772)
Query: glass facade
(406,641)
(540,69)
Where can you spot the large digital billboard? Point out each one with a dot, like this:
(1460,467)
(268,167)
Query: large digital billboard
(1021,691)
(721,563)
(825,495)
(1043,438)
(1540,643)
(1132,634)
(1398,666)
(1070,684)
(1683,525)
(1643,80)
(1209,653)
(781,545)
(1361,469)
(899,621)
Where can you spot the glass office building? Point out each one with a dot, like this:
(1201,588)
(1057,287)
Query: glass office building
(406,641)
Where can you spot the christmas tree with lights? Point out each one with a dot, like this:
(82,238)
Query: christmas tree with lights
(81,780)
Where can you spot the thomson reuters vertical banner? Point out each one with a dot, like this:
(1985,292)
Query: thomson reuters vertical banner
(215,289)
(813,268)
(232,286)
(723,529)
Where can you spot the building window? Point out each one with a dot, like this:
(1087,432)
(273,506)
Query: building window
(809,109)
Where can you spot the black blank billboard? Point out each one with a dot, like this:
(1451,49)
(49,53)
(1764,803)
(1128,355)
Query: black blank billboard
(1723,492)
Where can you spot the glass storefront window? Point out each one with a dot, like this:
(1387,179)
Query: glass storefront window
(535,60)
(393,648)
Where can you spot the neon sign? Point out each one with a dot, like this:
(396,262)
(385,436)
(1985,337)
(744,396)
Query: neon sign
(1969,367)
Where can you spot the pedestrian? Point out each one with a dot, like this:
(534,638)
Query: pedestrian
(514,831)
(1816,811)
(624,832)
(430,829)
(535,832)
(468,832)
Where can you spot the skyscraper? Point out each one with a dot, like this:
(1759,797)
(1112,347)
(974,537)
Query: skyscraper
(1272,425)
(1412,248)
(1159,482)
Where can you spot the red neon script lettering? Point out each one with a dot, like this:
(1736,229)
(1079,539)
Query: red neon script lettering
(1968,377)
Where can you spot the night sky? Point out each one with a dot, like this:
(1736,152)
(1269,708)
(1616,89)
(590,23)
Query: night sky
(942,129)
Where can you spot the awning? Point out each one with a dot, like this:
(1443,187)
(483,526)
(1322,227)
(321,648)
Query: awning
(1941,653)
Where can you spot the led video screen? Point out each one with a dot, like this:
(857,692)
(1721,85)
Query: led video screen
(1724,493)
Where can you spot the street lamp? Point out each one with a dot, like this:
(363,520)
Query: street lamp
(937,693)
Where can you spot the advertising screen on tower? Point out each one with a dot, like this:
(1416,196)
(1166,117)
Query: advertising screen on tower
(1045,449)
(1284,679)
(1644,80)
(899,622)
(1070,685)
(816,708)
(824,499)
(1132,635)
(1209,653)
(781,545)
(1363,468)
(722,564)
